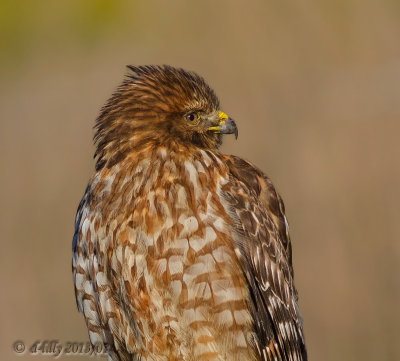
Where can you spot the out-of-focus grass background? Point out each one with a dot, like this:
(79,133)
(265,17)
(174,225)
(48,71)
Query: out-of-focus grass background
(315,89)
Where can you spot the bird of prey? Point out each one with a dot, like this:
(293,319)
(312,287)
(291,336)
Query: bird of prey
(181,252)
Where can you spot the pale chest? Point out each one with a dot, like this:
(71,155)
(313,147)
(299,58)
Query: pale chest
(165,237)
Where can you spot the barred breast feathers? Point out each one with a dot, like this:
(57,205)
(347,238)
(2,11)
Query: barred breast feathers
(166,238)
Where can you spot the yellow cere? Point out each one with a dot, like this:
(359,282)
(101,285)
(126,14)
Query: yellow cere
(222,117)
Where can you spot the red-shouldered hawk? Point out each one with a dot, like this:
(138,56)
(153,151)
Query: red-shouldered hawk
(181,252)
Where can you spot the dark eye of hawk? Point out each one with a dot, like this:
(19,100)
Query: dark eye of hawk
(191,116)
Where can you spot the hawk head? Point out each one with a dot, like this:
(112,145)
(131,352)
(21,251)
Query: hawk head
(157,105)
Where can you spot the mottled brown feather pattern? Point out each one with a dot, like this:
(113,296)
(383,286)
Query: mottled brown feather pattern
(180,252)
(266,258)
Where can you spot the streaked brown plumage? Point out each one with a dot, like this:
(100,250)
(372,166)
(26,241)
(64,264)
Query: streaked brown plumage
(181,252)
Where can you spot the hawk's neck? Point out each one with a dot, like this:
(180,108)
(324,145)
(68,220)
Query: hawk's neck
(183,177)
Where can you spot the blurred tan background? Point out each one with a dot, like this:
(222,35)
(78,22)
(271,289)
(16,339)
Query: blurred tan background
(315,89)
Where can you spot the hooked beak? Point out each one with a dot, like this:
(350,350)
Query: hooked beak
(226,125)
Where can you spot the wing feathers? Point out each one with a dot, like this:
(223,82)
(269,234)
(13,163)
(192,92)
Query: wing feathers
(261,234)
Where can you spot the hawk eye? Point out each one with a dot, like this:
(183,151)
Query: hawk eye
(191,116)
